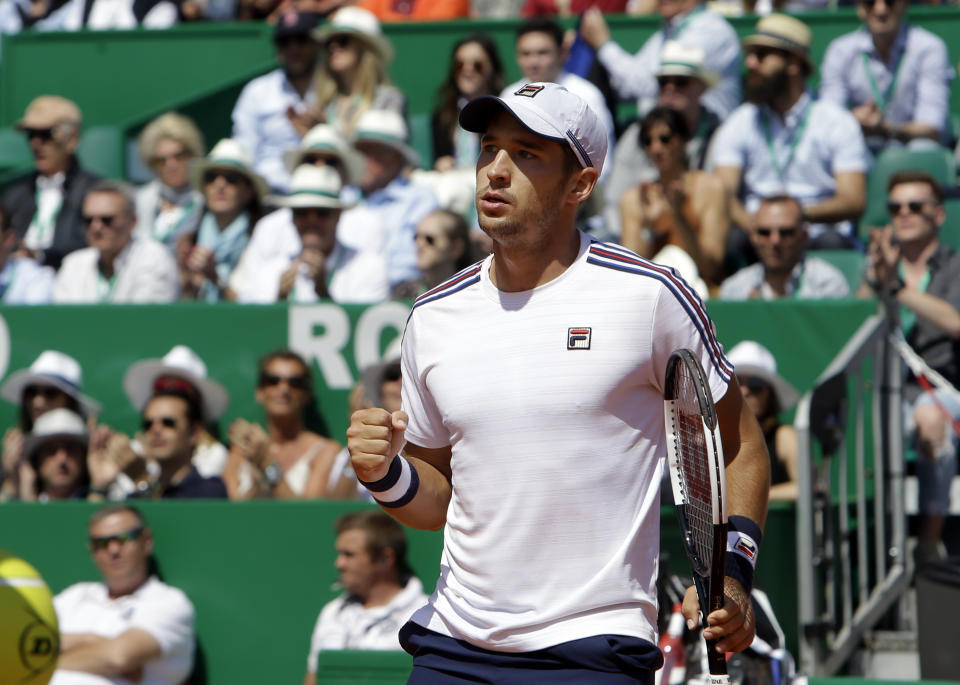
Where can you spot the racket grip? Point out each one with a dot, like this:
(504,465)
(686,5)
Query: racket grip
(716,661)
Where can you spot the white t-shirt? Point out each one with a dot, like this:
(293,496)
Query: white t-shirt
(552,402)
(161,610)
(344,623)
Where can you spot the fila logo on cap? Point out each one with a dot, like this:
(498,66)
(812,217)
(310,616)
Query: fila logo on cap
(529,90)
(578,338)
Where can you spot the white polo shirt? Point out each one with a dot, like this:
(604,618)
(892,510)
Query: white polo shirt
(552,402)
(161,610)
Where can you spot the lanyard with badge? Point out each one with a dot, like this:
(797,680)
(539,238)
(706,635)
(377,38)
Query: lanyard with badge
(882,100)
(795,139)
(105,286)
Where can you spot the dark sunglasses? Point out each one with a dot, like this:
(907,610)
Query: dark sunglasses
(304,212)
(913,207)
(99,544)
(339,41)
(165,421)
(105,219)
(664,138)
(475,64)
(762,52)
(428,239)
(48,392)
(322,160)
(231,177)
(160,160)
(870,3)
(752,383)
(44,134)
(301,382)
(677,81)
(786,232)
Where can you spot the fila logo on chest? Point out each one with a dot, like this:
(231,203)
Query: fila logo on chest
(578,338)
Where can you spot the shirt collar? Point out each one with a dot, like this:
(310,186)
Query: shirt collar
(939,257)
(54,182)
(795,114)
(867,46)
(120,261)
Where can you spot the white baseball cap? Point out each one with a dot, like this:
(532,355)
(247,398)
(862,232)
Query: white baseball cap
(548,110)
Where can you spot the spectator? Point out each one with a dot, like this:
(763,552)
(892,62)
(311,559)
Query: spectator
(380,590)
(45,209)
(307,262)
(684,207)
(386,219)
(785,141)
(102,15)
(232,193)
(475,70)
(182,370)
(687,21)
(131,626)
(540,56)
(325,146)
(22,279)
(895,77)
(172,423)
(682,80)
(116,267)
(767,394)
(287,461)
(443,249)
(168,207)
(381,381)
(566,8)
(55,459)
(917,274)
(417,10)
(271,108)
(780,239)
(354,75)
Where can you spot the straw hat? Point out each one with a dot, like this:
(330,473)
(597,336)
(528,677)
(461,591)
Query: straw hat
(312,186)
(386,127)
(357,23)
(47,111)
(326,139)
(50,368)
(783,32)
(181,362)
(678,59)
(229,154)
(753,359)
(56,423)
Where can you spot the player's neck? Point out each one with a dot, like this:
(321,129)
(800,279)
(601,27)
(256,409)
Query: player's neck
(519,269)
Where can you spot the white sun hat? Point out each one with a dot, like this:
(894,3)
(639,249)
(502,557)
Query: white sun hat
(753,359)
(680,59)
(326,139)
(229,154)
(184,363)
(312,186)
(548,110)
(358,23)
(386,127)
(56,423)
(50,368)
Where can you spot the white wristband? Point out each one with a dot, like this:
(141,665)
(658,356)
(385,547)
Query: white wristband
(398,487)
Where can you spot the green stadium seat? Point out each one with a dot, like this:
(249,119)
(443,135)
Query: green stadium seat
(14,149)
(850,262)
(102,150)
(370,668)
(421,138)
(937,161)
(950,231)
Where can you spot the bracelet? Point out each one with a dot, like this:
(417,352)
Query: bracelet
(743,546)
(398,487)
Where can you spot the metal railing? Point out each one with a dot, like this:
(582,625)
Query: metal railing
(851,538)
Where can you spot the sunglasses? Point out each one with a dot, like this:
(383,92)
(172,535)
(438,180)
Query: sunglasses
(761,52)
(913,207)
(231,177)
(47,392)
(787,232)
(752,383)
(301,382)
(870,3)
(676,81)
(165,421)
(339,41)
(322,160)
(98,544)
(44,134)
(664,138)
(105,219)
(475,64)
(426,237)
(305,212)
(160,160)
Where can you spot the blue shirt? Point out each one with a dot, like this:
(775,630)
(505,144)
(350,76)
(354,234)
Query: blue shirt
(23,281)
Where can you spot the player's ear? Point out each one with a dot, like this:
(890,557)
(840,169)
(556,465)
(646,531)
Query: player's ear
(584,184)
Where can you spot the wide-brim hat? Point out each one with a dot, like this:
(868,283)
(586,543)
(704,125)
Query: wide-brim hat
(326,139)
(679,59)
(50,368)
(357,23)
(783,32)
(386,127)
(550,111)
(181,362)
(56,423)
(46,111)
(229,154)
(312,186)
(750,358)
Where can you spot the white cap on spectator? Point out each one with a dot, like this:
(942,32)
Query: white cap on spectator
(358,23)
(140,381)
(325,139)
(312,186)
(386,127)
(229,154)
(750,358)
(50,368)
(548,110)
(56,423)
(680,59)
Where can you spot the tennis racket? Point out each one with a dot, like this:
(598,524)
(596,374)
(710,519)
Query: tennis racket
(699,489)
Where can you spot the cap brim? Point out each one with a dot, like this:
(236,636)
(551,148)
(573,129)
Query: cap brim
(140,377)
(260,186)
(710,78)
(477,113)
(12,389)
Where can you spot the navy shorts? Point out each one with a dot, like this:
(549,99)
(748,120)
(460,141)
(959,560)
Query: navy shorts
(600,660)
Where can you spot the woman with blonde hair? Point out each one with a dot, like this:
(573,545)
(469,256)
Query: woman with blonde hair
(168,207)
(353,73)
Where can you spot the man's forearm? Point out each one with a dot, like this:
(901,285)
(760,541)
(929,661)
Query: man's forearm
(833,209)
(71,641)
(428,509)
(94,657)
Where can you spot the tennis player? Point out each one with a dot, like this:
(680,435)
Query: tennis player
(532,427)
